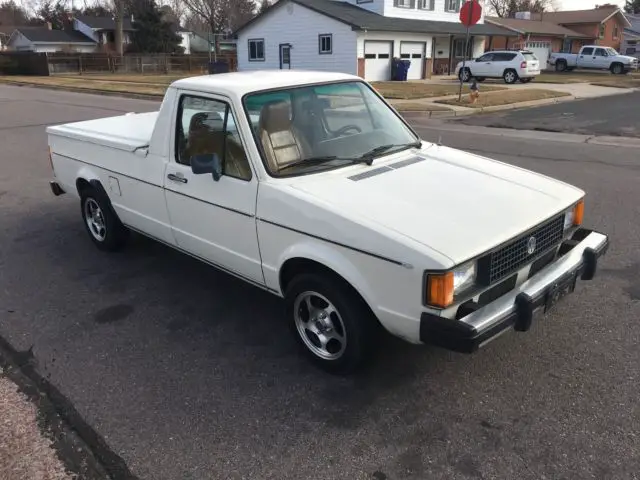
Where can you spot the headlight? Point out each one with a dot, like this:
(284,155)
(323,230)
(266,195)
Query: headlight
(441,288)
(574,217)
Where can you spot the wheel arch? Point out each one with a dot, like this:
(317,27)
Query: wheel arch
(323,259)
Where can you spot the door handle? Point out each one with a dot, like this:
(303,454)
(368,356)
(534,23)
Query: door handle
(177,177)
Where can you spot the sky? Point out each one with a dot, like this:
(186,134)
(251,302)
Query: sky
(585,4)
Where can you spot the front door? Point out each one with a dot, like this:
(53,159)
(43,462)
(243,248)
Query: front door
(213,220)
(586,58)
(600,59)
(285,56)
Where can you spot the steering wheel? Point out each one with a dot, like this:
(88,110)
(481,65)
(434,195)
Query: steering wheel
(345,129)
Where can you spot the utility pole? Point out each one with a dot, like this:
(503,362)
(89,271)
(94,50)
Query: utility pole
(119,35)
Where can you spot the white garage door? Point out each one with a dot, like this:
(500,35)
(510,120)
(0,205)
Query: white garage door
(377,63)
(541,50)
(414,52)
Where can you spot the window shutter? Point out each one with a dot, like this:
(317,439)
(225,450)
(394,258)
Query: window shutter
(412,4)
(432,4)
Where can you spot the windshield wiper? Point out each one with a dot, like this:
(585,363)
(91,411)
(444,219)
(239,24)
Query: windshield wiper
(367,157)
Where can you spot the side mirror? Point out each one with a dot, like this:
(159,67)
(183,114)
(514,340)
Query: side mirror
(207,163)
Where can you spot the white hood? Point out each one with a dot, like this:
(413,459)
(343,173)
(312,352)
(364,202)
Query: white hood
(456,203)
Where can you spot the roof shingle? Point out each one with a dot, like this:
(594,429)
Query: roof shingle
(595,15)
(44,35)
(535,27)
(362,19)
(104,23)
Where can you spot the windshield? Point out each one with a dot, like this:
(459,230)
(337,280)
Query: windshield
(319,127)
(611,51)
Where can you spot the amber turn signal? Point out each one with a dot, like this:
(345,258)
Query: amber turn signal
(440,289)
(578,213)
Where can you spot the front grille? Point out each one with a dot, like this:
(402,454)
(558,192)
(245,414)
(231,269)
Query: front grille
(514,255)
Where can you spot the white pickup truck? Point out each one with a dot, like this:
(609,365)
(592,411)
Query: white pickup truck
(310,186)
(594,57)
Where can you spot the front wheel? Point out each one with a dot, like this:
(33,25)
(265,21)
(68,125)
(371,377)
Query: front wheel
(510,76)
(464,75)
(617,69)
(104,227)
(331,322)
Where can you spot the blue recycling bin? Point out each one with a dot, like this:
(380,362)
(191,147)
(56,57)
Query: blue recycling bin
(396,69)
(404,69)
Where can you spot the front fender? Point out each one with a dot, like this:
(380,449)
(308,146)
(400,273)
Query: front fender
(333,258)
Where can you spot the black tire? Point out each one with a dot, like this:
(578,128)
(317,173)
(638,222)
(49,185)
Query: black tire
(617,69)
(358,325)
(460,75)
(510,76)
(113,234)
(525,80)
(561,66)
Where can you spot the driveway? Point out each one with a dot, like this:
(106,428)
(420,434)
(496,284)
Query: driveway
(186,373)
(617,115)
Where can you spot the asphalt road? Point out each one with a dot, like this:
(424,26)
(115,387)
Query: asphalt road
(190,374)
(616,115)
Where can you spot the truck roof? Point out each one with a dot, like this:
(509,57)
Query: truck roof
(241,83)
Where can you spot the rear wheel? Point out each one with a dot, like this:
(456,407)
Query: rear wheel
(561,66)
(464,75)
(510,76)
(104,227)
(331,322)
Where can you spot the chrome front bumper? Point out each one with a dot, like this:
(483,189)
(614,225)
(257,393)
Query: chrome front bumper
(516,309)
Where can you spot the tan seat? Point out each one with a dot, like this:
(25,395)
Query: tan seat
(281,141)
(204,140)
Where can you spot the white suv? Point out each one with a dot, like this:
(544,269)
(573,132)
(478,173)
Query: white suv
(511,65)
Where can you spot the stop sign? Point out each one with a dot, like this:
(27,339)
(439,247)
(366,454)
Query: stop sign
(470,13)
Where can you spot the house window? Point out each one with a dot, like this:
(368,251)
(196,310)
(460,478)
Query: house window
(615,31)
(325,44)
(452,5)
(404,3)
(426,4)
(256,50)
(603,30)
(458,48)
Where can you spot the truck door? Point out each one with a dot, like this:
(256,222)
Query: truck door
(601,59)
(213,219)
(586,58)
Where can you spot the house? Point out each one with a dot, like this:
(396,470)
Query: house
(193,42)
(541,37)
(5,34)
(603,25)
(631,37)
(44,39)
(102,30)
(361,37)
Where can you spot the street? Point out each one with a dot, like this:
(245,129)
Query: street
(187,373)
(616,115)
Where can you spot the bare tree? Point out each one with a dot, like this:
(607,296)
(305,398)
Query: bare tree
(221,16)
(508,8)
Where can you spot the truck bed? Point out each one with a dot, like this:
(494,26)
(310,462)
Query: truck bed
(124,132)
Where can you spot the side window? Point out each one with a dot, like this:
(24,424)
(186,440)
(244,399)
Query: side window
(600,52)
(587,51)
(487,57)
(208,126)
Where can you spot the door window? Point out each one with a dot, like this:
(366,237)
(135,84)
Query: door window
(587,51)
(206,127)
(600,52)
(487,57)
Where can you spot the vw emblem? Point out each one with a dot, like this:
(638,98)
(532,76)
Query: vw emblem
(531,245)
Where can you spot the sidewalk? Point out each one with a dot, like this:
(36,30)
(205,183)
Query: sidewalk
(25,453)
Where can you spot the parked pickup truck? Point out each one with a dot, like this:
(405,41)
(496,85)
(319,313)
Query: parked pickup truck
(594,57)
(310,186)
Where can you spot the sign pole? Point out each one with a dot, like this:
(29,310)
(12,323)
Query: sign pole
(464,62)
(469,16)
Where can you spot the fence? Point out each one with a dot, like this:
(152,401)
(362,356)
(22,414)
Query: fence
(145,64)
(23,63)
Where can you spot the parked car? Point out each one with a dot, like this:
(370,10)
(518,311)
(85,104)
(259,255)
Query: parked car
(311,187)
(509,65)
(594,57)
